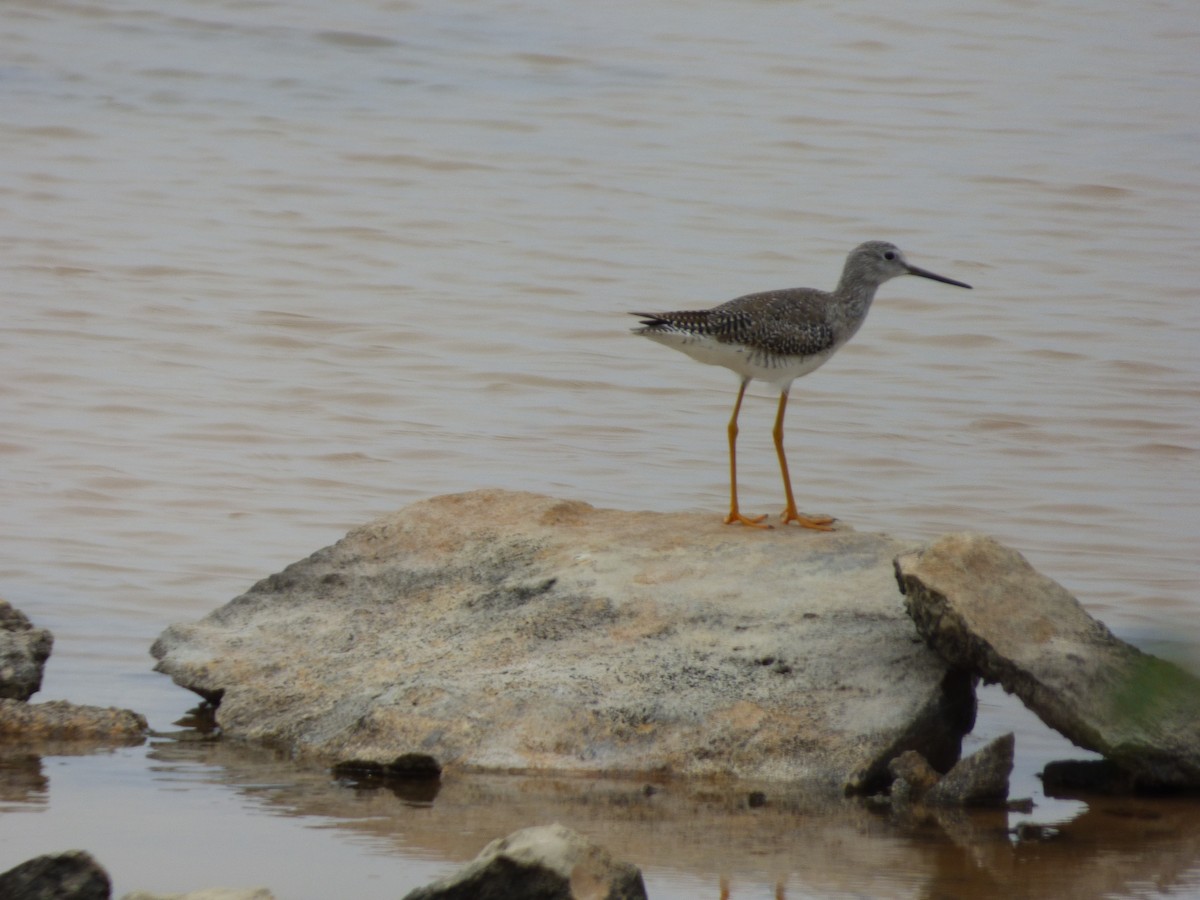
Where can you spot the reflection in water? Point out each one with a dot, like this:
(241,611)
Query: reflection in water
(22,780)
(409,792)
(414,779)
(734,837)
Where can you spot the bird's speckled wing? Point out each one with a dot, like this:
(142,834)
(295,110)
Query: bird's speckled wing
(774,323)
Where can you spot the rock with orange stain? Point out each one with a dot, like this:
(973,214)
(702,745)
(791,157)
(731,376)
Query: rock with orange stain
(60,720)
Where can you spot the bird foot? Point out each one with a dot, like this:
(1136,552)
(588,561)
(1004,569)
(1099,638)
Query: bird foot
(816,523)
(752,521)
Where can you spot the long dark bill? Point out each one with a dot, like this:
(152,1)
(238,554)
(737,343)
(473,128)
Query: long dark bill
(925,273)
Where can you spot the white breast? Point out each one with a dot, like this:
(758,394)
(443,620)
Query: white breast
(745,361)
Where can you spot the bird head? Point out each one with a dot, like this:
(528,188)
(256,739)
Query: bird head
(878,261)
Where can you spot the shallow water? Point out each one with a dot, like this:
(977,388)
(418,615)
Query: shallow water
(273,269)
(237,815)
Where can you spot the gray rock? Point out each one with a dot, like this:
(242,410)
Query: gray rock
(507,631)
(23,654)
(73,875)
(980,779)
(58,720)
(547,862)
(983,608)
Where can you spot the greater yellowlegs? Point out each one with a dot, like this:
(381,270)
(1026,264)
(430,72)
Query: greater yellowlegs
(777,336)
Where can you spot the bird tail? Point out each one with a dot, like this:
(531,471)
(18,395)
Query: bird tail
(649,321)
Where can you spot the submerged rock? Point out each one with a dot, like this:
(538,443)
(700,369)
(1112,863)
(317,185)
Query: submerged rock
(23,654)
(72,875)
(509,631)
(984,609)
(547,862)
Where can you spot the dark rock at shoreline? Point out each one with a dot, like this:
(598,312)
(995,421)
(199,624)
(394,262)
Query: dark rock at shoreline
(1083,777)
(507,631)
(984,609)
(547,862)
(409,767)
(23,654)
(73,875)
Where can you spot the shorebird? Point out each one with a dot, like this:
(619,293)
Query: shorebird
(777,336)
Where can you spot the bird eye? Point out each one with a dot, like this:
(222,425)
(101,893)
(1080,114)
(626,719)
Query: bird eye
(888,254)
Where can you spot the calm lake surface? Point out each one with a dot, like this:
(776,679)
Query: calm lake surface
(272,269)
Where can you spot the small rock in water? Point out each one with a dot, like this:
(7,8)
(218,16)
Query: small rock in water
(58,720)
(73,875)
(413,777)
(23,654)
(980,779)
(417,766)
(547,862)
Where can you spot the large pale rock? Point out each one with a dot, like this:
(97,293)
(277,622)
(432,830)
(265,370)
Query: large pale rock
(23,654)
(547,862)
(509,631)
(984,608)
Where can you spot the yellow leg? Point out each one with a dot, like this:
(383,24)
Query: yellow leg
(821,523)
(734,515)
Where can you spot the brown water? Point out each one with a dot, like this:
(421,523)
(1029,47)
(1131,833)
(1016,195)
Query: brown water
(271,269)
